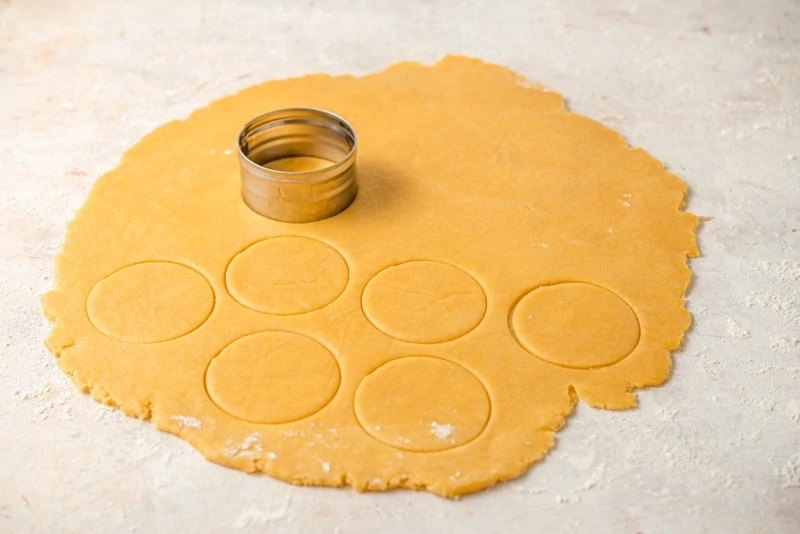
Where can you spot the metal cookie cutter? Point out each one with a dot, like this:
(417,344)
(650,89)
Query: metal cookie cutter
(272,188)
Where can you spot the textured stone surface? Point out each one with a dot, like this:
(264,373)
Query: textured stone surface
(710,87)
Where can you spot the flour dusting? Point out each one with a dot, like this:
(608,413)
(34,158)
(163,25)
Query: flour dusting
(784,272)
(441,431)
(785,344)
(793,410)
(790,473)
(735,329)
(250,447)
(254,516)
(186,422)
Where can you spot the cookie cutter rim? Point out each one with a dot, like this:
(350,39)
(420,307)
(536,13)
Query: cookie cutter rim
(285,195)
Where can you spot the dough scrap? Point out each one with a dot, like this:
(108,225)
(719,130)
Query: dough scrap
(538,260)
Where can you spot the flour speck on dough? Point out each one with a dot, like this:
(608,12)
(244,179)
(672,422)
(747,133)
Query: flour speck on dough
(326,467)
(250,447)
(186,422)
(441,431)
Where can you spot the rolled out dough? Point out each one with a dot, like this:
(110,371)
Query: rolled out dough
(503,258)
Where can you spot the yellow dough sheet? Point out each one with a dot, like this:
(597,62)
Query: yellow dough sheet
(503,259)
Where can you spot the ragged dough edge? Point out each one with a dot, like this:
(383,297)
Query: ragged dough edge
(146,409)
(59,342)
(258,464)
(616,396)
(513,467)
(60,338)
(621,396)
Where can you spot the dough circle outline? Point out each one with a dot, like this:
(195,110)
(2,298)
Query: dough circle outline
(294,378)
(287,275)
(179,285)
(575,325)
(422,404)
(417,301)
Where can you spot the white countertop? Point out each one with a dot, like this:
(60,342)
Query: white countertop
(710,87)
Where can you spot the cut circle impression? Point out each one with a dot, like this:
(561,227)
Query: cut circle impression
(422,404)
(150,302)
(424,302)
(575,325)
(272,377)
(287,275)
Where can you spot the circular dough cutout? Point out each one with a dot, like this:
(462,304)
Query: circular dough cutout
(575,325)
(424,302)
(272,377)
(150,302)
(287,275)
(422,404)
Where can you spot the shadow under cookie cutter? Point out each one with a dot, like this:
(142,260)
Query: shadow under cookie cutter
(304,195)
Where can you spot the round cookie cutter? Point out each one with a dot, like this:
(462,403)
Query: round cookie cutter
(306,195)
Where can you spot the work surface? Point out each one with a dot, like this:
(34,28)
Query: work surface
(711,88)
